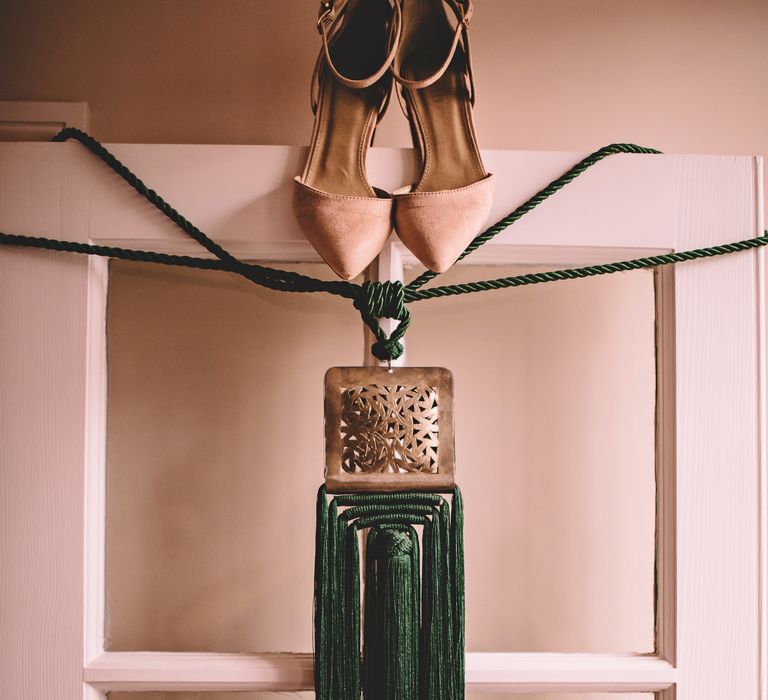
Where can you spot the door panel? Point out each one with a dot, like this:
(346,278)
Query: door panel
(214,457)
(555,409)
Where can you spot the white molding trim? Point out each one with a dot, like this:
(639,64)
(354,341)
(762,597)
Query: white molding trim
(395,257)
(718,452)
(494,254)
(95,460)
(75,114)
(762,323)
(135,671)
(262,252)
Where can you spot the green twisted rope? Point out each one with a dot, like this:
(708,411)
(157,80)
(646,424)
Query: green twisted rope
(581,272)
(373,300)
(538,198)
(379,300)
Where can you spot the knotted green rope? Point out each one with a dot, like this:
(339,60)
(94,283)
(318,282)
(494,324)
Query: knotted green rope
(374,300)
(413,609)
(384,300)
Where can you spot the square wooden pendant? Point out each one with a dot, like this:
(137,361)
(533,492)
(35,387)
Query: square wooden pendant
(389,429)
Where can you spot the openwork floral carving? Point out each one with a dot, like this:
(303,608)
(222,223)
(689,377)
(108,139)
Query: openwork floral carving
(381,429)
(390,429)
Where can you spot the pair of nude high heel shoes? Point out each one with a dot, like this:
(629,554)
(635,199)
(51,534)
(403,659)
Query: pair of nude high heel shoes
(366,44)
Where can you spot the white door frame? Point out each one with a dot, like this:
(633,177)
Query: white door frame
(712,432)
(47,117)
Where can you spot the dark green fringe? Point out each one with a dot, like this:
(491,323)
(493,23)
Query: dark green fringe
(413,630)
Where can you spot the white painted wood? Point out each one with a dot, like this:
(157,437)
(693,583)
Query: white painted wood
(388,267)
(485,672)
(398,256)
(91,692)
(494,253)
(763,438)
(243,193)
(43,358)
(52,403)
(95,466)
(520,673)
(718,455)
(184,671)
(45,117)
(617,216)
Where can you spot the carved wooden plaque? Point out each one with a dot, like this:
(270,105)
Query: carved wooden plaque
(389,429)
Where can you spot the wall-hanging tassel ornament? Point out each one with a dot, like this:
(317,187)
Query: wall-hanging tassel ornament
(389,562)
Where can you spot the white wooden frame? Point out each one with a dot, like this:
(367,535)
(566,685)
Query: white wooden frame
(712,418)
(55,115)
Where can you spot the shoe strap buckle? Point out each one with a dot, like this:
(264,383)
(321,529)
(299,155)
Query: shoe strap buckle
(465,11)
(327,15)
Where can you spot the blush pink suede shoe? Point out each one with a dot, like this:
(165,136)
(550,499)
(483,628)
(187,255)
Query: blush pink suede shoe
(446,208)
(346,220)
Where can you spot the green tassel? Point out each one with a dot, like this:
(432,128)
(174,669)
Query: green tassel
(413,629)
(390,642)
(457,562)
(322,596)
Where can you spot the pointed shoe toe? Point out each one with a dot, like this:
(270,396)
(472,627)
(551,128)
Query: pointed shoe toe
(347,232)
(437,226)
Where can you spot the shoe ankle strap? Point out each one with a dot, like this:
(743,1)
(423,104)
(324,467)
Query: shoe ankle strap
(329,22)
(462,10)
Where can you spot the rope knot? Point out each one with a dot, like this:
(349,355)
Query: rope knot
(392,543)
(384,300)
(386,350)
